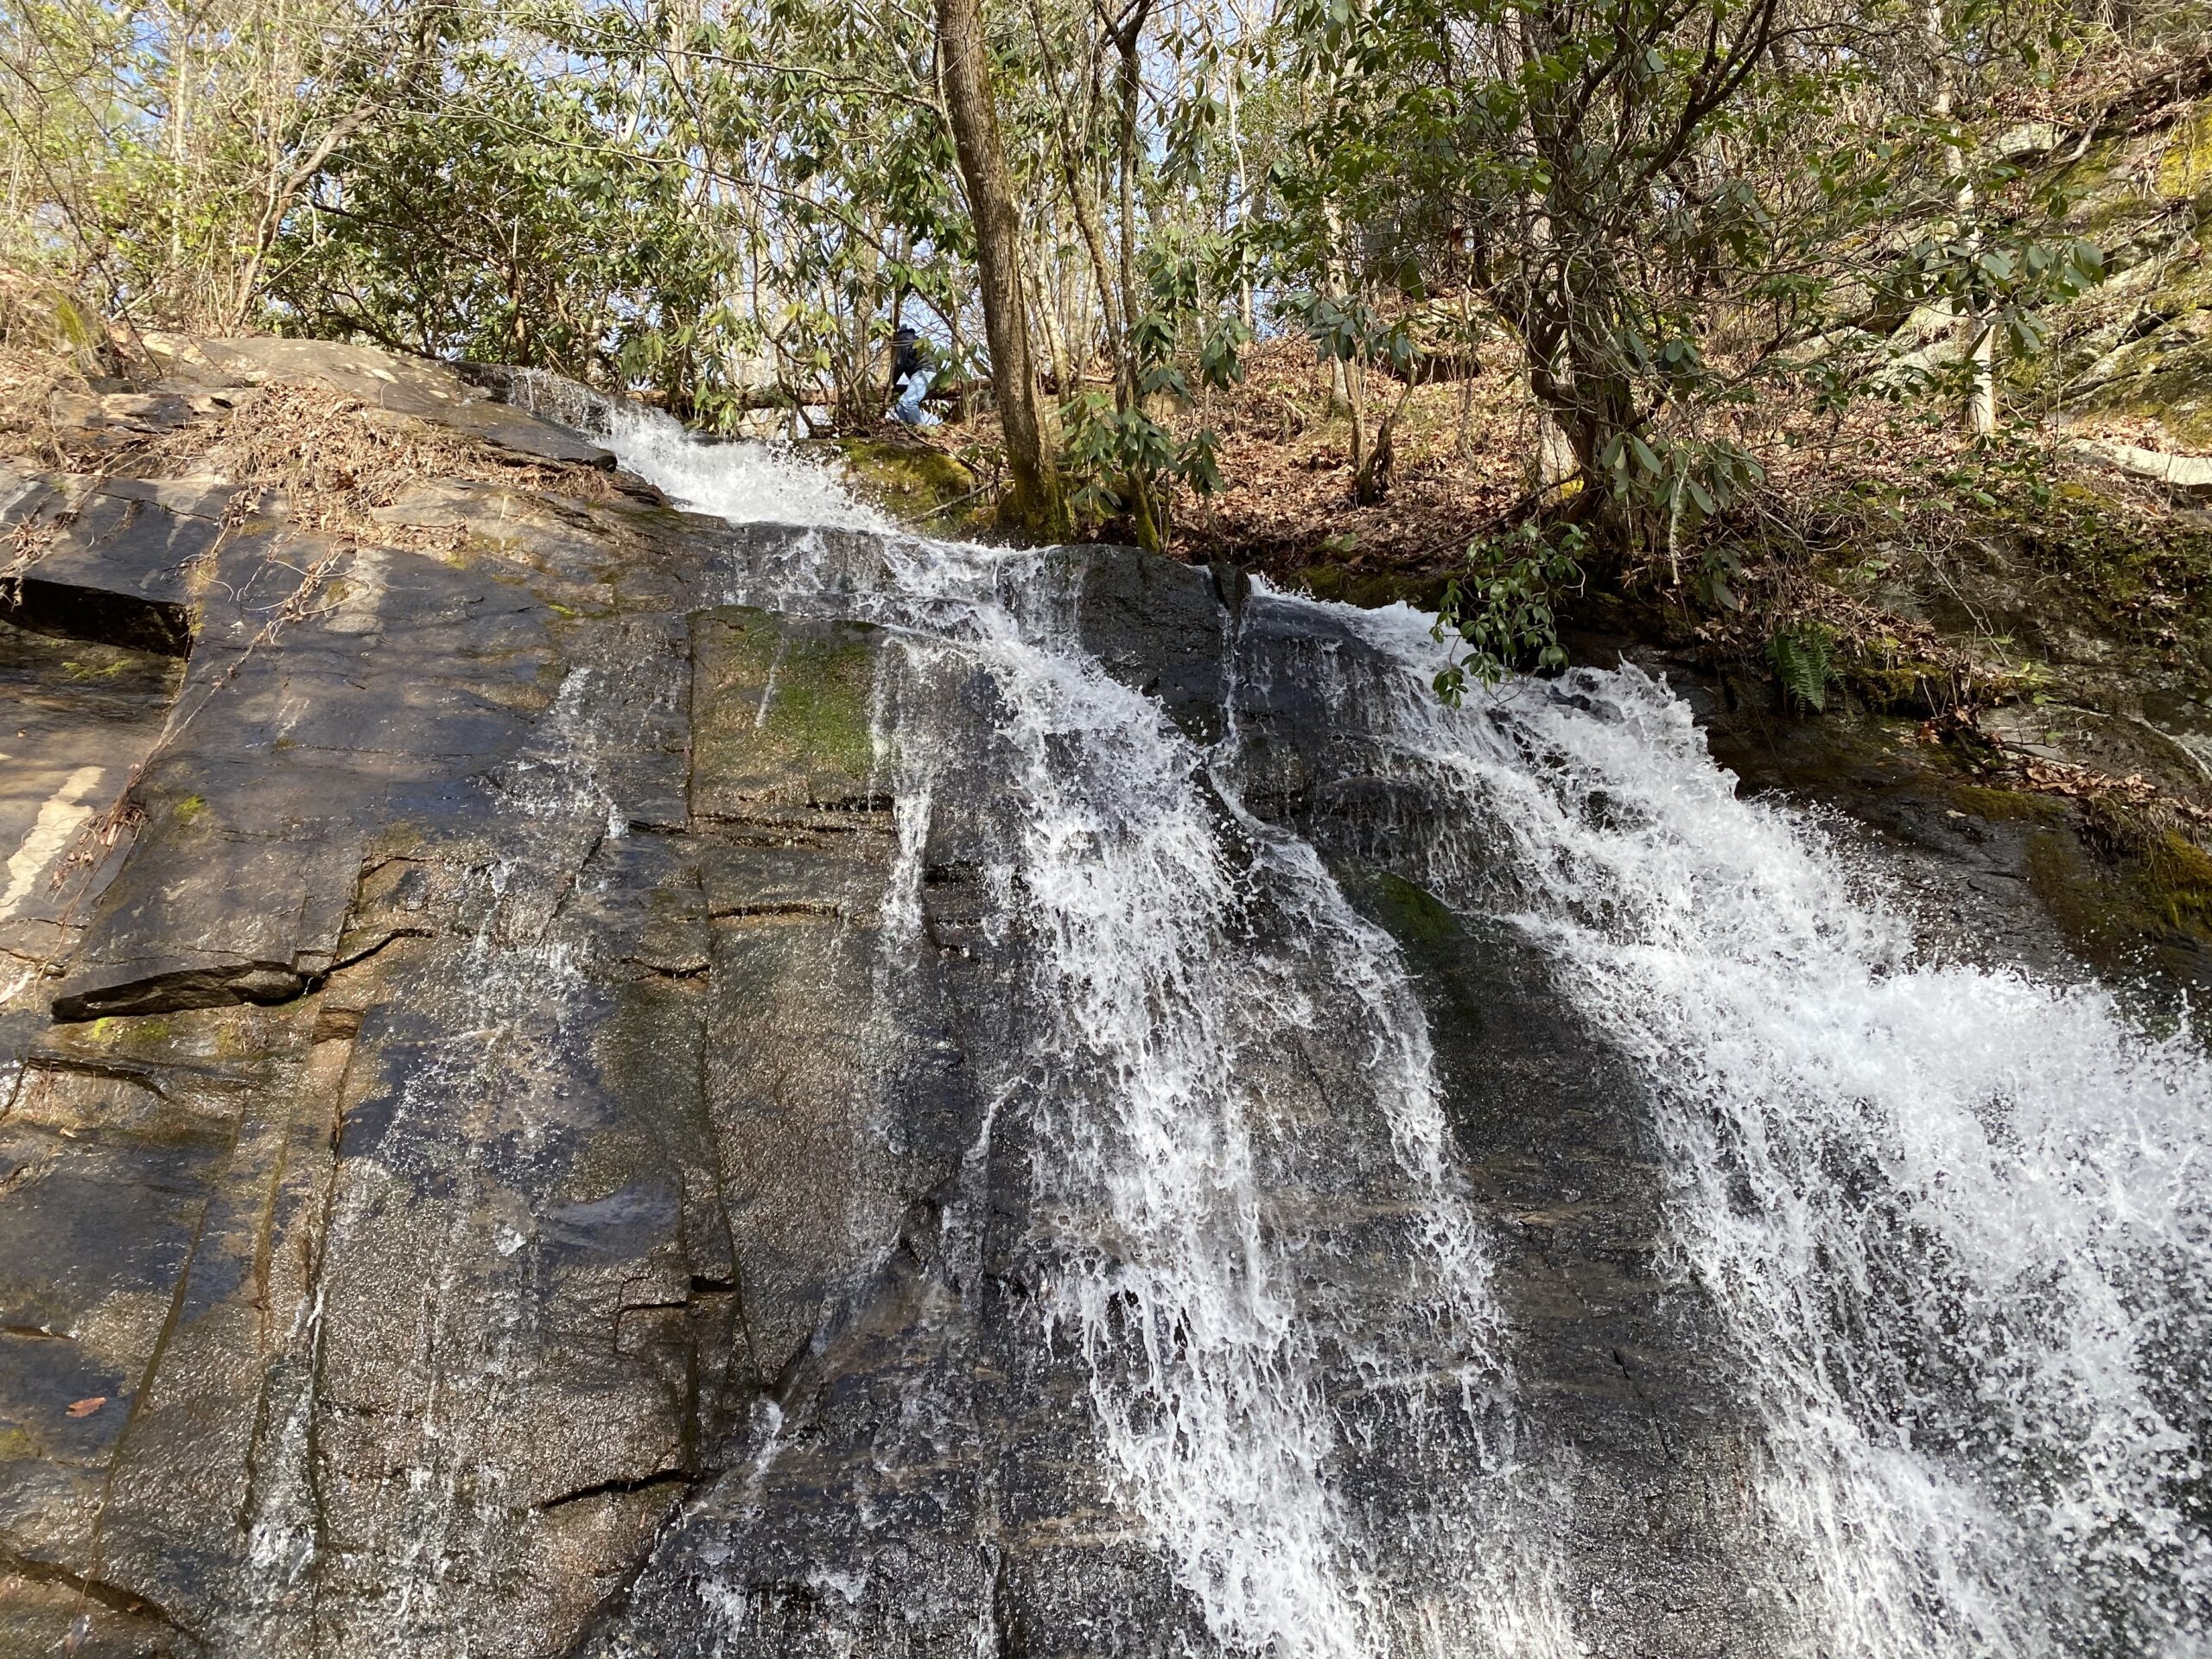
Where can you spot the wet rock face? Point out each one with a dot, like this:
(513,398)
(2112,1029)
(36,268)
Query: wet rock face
(508,1143)
(319,940)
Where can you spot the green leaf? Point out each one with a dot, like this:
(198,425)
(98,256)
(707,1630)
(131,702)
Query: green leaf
(1803,657)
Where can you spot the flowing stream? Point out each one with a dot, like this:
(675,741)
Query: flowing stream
(1954,1226)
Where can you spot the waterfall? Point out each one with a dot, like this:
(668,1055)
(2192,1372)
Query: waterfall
(1959,1223)
(1954,1223)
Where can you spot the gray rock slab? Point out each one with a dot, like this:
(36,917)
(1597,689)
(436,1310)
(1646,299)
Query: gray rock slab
(375,702)
(401,385)
(76,720)
(115,561)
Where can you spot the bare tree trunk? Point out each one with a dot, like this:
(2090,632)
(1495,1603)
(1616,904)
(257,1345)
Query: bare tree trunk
(1231,89)
(1129,89)
(1033,503)
(1080,199)
(1555,462)
(1128,36)
(898,316)
(1340,394)
(1551,383)
(1094,242)
(1146,511)
(1981,414)
(1981,395)
(1371,482)
(1048,322)
(1354,371)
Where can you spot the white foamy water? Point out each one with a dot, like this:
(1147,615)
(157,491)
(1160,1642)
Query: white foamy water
(745,482)
(1954,1222)
(1242,1369)
(1176,1197)
(1959,1222)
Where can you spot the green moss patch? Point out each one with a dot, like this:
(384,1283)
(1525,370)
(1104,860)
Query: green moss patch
(2185,170)
(780,711)
(1346,585)
(818,705)
(1413,915)
(913,482)
(2008,805)
(1909,686)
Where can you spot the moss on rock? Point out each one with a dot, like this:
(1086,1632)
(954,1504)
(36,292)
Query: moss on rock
(2131,890)
(2186,168)
(1370,589)
(2009,805)
(1413,914)
(1907,687)
(2166,377)
(914,482)
(780,711)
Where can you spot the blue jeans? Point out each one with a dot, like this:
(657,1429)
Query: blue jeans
(908,411)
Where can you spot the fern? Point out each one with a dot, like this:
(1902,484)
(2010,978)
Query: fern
(1803,655)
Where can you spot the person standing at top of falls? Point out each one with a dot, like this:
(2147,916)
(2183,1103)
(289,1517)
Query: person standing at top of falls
(910,379)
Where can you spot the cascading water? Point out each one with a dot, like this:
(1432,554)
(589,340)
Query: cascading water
(1958,1222)
(743,482)
(1953,1222)
(1181,951)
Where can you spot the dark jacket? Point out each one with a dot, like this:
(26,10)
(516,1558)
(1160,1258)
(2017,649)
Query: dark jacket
(906,355)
